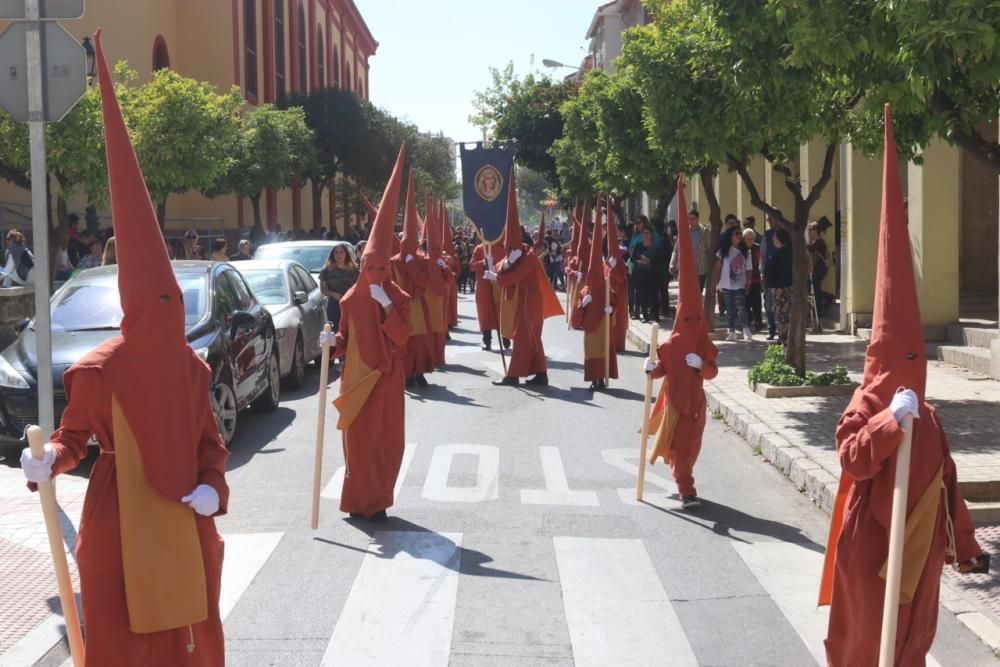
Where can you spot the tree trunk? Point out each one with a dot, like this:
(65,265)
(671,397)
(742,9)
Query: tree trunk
(706,174)
(616,205)
(92,220)
(663,202)
(795,350)
(317,204)
(57,236)
(161,214)
(258,222)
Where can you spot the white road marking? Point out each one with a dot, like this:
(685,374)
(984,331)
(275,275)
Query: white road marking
(627,460)
(335,486)
(616,609)
(246,554)
(403,599)
(487,484)
(789,573)
(557,491)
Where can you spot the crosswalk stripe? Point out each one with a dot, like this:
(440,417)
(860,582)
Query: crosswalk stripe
(402,601)
(335,486)
(789,573)
(616,608)
(246,554)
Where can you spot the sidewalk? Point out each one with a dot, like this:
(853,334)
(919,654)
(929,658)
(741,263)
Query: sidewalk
(796,436)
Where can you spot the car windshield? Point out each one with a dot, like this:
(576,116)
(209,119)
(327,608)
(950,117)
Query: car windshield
(268,286)
(310,256)
(93,304)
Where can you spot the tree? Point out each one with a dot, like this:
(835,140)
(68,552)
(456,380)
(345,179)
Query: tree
(937,63)
(718,88)
(273,149)
(526,111)
(532,189)
(433,160)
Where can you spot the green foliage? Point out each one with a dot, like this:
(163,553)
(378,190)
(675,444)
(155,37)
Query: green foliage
(775,371)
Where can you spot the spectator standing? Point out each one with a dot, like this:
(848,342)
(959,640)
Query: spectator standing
(93,260)
(109,258)
(767,247)
(78,244)
(754,310)
(818,256)
(338,276)
(647,260)
(18,262)
(732,275)
(63,268)
(219,250)
(778,280)
(242,252)
(668,251)
(554,263)
(700,240)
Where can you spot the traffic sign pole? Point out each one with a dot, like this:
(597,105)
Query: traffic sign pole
(40,218)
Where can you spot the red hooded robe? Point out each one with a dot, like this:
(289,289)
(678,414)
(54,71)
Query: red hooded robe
(867,438)
(451,258)
(678,419)
(437,294)
(619,283)
(592,318)
(373,339)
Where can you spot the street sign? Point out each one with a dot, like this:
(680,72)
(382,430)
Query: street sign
(47,9)
(64,70)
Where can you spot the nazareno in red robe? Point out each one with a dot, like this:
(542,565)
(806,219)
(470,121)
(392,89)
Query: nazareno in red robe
(487,298)
(592,321)
(619,297)
(98,547)
(519,282)
(413,277)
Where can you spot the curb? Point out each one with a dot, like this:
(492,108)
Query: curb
(819,486)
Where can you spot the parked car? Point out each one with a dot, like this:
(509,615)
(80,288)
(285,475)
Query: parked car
(310,254)
(226,326)
(297,307)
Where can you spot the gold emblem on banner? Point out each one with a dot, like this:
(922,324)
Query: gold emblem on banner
(489,183)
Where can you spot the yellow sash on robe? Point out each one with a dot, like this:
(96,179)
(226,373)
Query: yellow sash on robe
(663,423)
(435,311)
(356,385)
(919,535)
(161,554)
(594,344)
(418,325)
(508,311)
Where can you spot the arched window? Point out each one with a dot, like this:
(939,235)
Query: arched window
(250,52)
(321,58)
(303,61)
(279,48)
(336,67)
(161,57)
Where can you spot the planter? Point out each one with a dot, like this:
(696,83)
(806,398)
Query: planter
(770,391)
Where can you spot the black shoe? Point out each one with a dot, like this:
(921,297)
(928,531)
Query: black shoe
(594,386)
(770,336)
(507,382)
(410,383)
(690,503)
(506,343)
(421,380)
(379,517)
(447,336)
(357,515)
(488,346)
(542,380)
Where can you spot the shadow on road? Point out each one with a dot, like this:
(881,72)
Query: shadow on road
(255,432)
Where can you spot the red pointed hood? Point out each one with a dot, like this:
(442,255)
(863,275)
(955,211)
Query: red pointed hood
(583,248)
(512,237)
(897,353)
(411,220)
(595,271)
(432,230)
(446,233)
(153,361)
(574,239)
(372,211)
(541,228)
(378,249)
(614,248)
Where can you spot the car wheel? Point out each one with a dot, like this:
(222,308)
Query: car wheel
(268,401)
(297,376)
(223,400)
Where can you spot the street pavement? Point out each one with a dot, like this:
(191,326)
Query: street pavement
(515,539)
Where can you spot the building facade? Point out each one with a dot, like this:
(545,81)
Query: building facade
(269,48)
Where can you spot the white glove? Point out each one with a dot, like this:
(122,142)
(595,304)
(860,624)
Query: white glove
(204,500)
(903,403)
(608,310)
(585,301)
(443,264)
(579,277)
(490,275)
(514,256)
(378,293)
(38,471)
(327,338)
(408,259)
(694,361)
(651,365)
(612,262)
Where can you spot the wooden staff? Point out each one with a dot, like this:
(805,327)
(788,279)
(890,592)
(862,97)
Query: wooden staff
(897,538)
(50,510)
(607,331)
(646,408)
(324,378)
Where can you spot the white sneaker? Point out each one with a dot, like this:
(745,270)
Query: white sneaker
(748,335)
(732,336)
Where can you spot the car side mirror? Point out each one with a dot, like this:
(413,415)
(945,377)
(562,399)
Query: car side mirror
(22,325)
(242,320)
(300,298)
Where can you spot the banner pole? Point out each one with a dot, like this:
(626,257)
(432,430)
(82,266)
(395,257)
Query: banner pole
(897,539)
(324,378)
(646,408)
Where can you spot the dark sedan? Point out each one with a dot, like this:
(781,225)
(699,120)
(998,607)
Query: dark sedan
(225,324)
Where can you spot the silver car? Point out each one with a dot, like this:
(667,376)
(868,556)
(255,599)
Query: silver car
(287,290)
(310,254)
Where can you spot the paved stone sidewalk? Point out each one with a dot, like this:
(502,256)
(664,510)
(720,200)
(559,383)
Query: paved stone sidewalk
(796,436)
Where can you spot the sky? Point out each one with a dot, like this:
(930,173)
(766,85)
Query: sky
(433,54)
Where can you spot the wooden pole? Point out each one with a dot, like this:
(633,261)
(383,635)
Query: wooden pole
(324,379)
(50,510)
(646,408)
(897,532)
(607,331)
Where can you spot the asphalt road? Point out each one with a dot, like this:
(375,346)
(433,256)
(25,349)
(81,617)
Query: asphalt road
(516,540)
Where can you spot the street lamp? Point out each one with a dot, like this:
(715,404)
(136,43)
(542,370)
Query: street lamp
(555,64)
(88,49)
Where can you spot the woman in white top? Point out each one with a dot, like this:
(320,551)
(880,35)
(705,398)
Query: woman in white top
(18,263)
(732,274)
